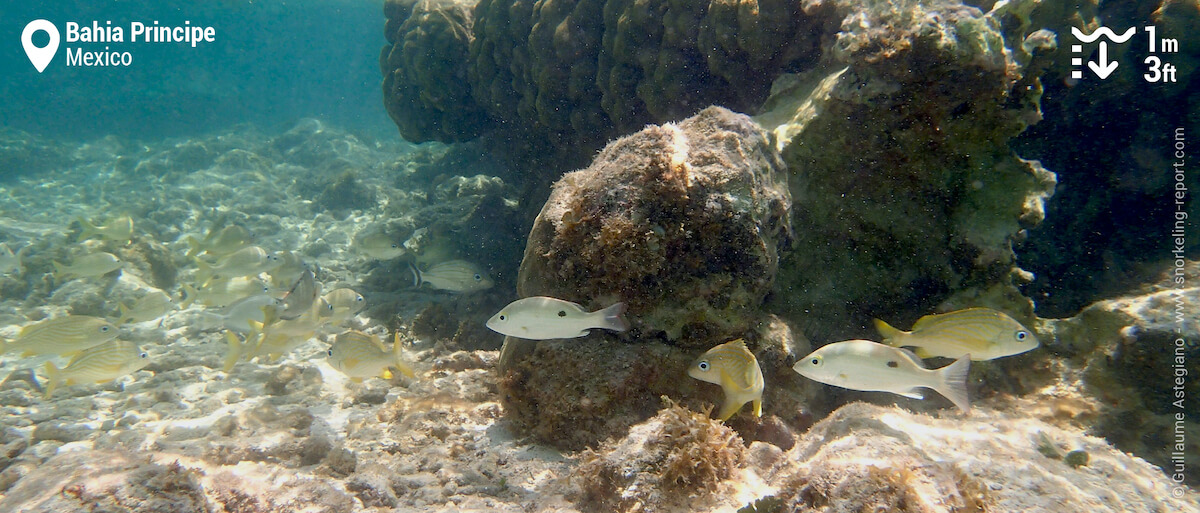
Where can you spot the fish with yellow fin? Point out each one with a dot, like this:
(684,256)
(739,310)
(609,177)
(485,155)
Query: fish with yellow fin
(61,336)
(87,266)
(735,368)
(339,305)
(380,246)
(119,229)
(359,355)
(248,261)
(983,333)
(149,307)
(222,291)
(219,242)
(97,364)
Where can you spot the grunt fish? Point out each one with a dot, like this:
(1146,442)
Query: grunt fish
(380,247)
(340,304)
(873,367)
(299,300)
(452,275)
(983,333)
(219,243)
(544,318)
(248,261)
(735,368)
(98,364)
(87,266)
(119,229)
(147,308)
(61,336)
(222,291)
(359,355)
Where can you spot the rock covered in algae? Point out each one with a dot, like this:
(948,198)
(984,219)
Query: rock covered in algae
(872,458)
(671,462)
(903,178)
(685,223)
(424,69)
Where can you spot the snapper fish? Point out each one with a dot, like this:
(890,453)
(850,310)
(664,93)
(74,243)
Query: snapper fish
(97,364)
(61,336)
(248,261)
(983,333)
(119,229)
(544,318)
(452,275)
(219,243)
(359,356)
(735,368)
(299,300)
(380,246)
(874,367)
(87,266)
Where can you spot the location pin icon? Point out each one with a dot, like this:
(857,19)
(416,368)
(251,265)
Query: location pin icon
(40,57)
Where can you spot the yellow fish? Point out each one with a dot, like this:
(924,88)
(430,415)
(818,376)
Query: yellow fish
(61,335)
(97,365)
(380,247)
(340,304)
(733,367)
(148,308)
(983,333)
(119,229)
(452,275)
(359,355)
(219,243)
(289,270)
(248,261)
(95,264)
(222,291)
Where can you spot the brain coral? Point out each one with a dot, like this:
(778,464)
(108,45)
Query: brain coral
(685,223)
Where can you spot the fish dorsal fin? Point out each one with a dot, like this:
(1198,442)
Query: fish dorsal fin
(925,320)
(913,356)
(739,344)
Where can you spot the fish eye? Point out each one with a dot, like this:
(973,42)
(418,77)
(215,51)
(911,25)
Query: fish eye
(329,352)
(478,277)
(503,317)
(358,299)
(104,329)
(330,307)
(1022,335)
(702,365)
(815,361)
(143,355)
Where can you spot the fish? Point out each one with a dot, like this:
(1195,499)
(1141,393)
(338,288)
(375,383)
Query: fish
(219,243)
(380,246)
(735,368)
(359,355)
(147,308)
(299,300)
(874,367)
(544,318)
(340,304)
(984,333)
(87,266)
(237,315)
(248,261)
(97,364)
(60,336)
(119,229)
(10,262)
(452,275)
(271,341)
(289,270)
(223,291)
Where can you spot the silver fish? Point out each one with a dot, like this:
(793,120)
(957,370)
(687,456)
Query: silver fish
(300,298)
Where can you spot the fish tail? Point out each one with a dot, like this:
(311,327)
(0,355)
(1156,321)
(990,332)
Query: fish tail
(234,352)
(86,229)
(124,316)
(204,274)
(189,296)
(891,336)
(52,373)
(416,275)
(194,245)
(60,272)
(614,317)
(398,353)
(954,382)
